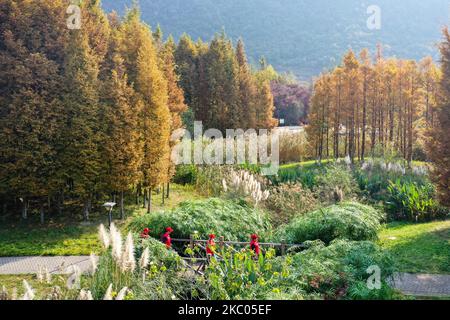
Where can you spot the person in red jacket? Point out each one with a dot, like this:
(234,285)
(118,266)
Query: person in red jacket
(166,239)
(145,234)
(211,245)
(254,245)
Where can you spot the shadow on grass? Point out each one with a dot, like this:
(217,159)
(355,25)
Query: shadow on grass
(427,252)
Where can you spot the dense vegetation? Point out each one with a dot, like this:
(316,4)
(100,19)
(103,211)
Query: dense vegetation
(361,105)
(87,115)
(203,217)
(351,221)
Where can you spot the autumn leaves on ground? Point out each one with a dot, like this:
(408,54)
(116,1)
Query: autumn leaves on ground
(86,117)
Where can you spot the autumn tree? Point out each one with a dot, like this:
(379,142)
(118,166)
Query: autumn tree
(122,143)
(175,96)
(374,106)
(439,149)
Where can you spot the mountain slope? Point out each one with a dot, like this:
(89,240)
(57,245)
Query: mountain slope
(303,36)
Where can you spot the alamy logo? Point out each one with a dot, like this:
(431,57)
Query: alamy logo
(74,20)
(374,280)
(210,147)
(374,20)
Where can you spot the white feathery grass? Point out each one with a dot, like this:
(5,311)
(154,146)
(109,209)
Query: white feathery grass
(93,261)
(224,185)
(73,281)
(145,258)
(116,242)
(104,236)
(40,275)
(122,293)
(128,262)
(29,292)
(108,294)
(14,294)
(347,160)
(244,183)
(85,295)
(48,276)
(4,293)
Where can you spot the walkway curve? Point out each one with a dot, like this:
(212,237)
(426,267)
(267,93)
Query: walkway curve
(423,285)
(32,265)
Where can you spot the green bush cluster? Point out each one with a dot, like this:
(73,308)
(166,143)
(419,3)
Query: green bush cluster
(351,220)
(340,270)
(413,202)
(374,183)
(289,200)
(298,174)
(335,184)
(185,174)
(229,219)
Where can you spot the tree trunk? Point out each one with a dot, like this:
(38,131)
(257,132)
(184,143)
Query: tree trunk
(149,207)
(144,201)
(25,205)
(42,214)
(60,203)
(364,120)
(163,194)
(86,209)
(168,190)
(122,209)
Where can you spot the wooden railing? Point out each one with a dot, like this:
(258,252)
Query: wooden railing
(222,243)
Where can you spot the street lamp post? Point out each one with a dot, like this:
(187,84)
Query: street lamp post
(109,206)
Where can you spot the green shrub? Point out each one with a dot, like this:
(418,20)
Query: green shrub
(340,270)
(185,174)
(352,221)
(289,200)
(336,184)
(241,275)
(209,180)
(410,201)
(297,174)
(221,217)
(375,175)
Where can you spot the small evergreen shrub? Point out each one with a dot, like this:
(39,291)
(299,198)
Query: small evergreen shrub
(223,218)
(352,221)
(340,270)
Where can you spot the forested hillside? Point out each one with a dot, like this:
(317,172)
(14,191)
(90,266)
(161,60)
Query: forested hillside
(303,36)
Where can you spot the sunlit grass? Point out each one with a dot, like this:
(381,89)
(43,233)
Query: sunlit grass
(68,237)
(419,248)
(41,288)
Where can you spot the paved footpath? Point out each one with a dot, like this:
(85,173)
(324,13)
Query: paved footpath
(31,265)
(423,285)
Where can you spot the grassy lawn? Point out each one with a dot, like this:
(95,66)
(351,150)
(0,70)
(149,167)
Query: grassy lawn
(419,248)
(72,237)
(42,289)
